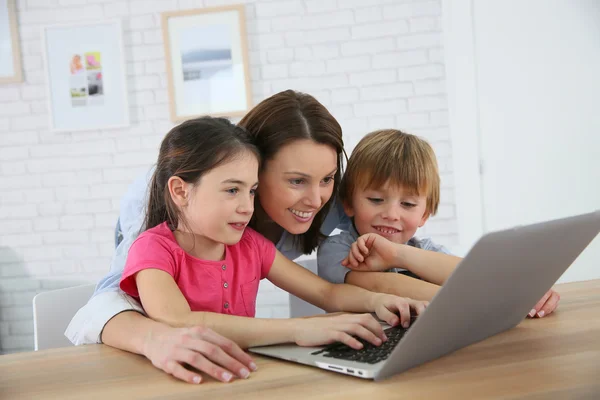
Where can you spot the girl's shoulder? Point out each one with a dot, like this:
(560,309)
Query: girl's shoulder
(252,238)
(159,235)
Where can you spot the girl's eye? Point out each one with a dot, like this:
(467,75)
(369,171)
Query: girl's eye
(296,181)
(252,192)
(375,200)
(233,190)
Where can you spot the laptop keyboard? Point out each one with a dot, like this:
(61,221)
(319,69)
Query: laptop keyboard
(370,353)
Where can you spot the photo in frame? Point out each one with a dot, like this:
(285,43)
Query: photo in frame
(207,62)
(10,51)
(86,76)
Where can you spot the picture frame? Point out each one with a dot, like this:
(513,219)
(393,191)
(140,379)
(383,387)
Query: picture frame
(86,82)
(10,49)
(206,55)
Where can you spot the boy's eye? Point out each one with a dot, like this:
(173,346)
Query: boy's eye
(296,181)
(409,205)
(375,200)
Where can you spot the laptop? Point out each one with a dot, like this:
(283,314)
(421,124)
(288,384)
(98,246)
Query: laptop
(492,290)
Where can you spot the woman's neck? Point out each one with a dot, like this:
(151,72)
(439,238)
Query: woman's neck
(264,225)
(200,246)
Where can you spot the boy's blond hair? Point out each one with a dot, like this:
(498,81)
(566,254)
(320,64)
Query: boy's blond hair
(396,157)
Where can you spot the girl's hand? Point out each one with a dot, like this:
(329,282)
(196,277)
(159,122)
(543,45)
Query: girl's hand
(388,307)
(372,252)
(339,328)
(201,348)
(546,305)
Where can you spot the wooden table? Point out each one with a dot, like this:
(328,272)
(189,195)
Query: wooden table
(557,357)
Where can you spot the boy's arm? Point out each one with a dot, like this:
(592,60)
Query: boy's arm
(372,252)
(335,249)
(392,283)
(430,265)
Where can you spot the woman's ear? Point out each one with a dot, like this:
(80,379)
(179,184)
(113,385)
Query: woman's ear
(179,190)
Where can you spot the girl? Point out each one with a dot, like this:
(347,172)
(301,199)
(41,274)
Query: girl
(199,264)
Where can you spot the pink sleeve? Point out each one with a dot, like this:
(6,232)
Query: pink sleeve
(148,251)
(265,251)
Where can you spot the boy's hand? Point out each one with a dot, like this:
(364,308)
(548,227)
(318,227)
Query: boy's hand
(396,310)
(372,252)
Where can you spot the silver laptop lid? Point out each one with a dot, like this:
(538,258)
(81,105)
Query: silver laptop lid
(493,288)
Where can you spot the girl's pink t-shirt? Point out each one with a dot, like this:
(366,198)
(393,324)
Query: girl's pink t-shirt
(227,287)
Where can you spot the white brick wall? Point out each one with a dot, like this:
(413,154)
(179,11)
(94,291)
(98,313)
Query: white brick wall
(373,63)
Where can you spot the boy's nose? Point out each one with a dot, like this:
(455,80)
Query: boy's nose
(392,213)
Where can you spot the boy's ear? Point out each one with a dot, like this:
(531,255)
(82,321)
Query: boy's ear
(348,209)
(424,219)
(179,190)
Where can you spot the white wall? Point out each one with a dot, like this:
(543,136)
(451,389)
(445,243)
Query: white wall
(373,63)
(524,105)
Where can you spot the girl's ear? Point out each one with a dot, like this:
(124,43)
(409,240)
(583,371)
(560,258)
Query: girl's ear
(179,190)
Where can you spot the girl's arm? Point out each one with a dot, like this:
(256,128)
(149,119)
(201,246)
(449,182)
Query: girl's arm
(300,282)
(163,301)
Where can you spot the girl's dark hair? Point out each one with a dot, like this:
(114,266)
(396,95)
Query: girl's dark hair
(189,151)
(284,118)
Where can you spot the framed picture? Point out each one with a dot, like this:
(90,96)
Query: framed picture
(10,52)
(207,62)
(86,76)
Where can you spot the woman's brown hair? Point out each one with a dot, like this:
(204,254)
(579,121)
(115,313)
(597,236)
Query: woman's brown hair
(189,151)
(284,118)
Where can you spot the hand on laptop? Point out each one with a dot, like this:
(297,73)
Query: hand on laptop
(546,305)
(338,328)
(396,310)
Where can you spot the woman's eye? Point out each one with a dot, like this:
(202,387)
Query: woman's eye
(328,180)
(296,181)
(233,190)
(375,200)
(252,192)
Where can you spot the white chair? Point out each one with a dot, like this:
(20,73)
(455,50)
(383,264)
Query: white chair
(52,312)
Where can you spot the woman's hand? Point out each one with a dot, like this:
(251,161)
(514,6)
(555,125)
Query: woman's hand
(339,328)
(200,348)
(546,305)
(394,309)
(372,252)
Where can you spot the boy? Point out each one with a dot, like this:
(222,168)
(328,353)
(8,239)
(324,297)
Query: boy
(390,189)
